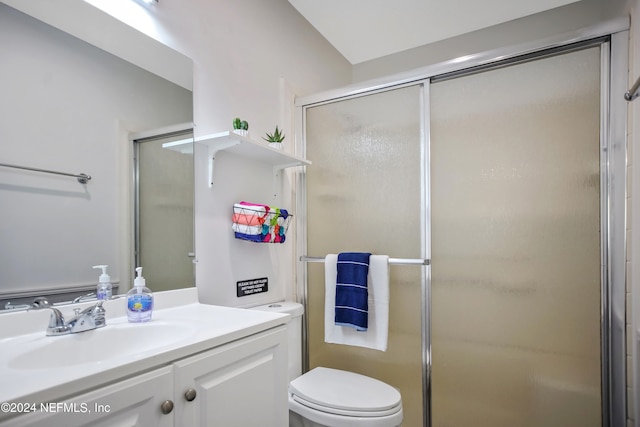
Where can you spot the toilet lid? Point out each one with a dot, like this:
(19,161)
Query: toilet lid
(345,391)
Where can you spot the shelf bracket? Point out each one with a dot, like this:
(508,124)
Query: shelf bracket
(212,157)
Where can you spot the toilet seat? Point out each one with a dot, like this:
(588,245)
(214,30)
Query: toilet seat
(343,412)
(345,393)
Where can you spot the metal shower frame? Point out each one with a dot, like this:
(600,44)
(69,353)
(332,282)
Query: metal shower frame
(612,36)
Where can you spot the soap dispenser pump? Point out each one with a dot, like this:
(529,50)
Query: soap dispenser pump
(139,300)
(104,288)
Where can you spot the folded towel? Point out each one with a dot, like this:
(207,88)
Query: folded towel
(377,333)
(248,214)
(250,208)
(351,290)
(251,237)
(274,236)
(259,223)
(254,205)
(248,219)
(260,238)
(250,229)
(273,218)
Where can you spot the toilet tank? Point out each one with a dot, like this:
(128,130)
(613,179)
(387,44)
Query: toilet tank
(294,330)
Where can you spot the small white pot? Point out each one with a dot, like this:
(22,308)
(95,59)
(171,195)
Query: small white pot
(276,145)
(241,132)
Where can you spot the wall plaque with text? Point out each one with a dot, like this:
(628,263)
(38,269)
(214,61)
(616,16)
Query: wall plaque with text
(253,286)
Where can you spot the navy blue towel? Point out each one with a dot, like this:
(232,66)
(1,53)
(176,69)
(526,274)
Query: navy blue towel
(352,295)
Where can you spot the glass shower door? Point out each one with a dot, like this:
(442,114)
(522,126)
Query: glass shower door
(164,211)
(364,194)
(516,277)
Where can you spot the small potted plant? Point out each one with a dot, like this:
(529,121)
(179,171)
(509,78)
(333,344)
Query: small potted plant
(274,139)
(241,127)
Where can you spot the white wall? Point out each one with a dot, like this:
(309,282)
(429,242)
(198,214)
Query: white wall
(122,38)
(66,107)
(251,57)
(561,20)
(240,50)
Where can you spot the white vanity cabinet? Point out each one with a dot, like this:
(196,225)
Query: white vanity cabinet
(242,383)
(132,402)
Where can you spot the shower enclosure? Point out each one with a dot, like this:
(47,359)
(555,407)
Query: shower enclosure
(509,175)
(164,205)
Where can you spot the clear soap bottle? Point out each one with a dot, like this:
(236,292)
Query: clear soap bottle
(104,288)
(139,300)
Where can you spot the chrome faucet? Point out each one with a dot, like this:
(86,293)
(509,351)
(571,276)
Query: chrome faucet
(90,318)
(91,295)
(40,302)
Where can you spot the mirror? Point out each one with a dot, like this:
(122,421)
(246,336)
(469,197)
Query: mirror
(70,107)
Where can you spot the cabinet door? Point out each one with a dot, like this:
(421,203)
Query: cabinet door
(241,384)
(134,402)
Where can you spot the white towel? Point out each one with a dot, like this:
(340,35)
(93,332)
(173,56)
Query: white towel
(240,208)
(247,229)
(376,336)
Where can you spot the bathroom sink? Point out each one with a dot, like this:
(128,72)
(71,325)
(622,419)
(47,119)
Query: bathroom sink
(35,367)
(99,345)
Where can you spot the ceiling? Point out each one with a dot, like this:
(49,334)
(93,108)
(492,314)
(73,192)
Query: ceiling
(362,30)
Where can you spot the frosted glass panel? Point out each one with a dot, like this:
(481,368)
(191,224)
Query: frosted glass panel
(165,185)
(364,195)
(516,245)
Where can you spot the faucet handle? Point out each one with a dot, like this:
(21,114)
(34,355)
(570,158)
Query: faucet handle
(96,312)
(94,309)
(88,296)
(56,319)
(99,314)
(57,325)
(41,302)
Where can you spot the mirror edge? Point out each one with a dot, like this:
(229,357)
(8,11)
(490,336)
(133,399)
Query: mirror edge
(97,27)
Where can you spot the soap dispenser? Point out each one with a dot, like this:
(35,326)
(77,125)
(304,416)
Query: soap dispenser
(104,288)
(139,300)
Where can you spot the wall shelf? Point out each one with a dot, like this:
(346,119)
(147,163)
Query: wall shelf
(243,146)
(184,146)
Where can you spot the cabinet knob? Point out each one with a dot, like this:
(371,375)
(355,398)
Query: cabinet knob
(190,394)
(166,407)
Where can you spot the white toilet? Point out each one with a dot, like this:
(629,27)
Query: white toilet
(325,397)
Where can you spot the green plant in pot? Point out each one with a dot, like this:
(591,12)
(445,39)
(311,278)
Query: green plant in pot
(274,139)
(240,127)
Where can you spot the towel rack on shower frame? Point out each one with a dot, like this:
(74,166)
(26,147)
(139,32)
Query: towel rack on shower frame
(632,93)
(403,261)
(82,178)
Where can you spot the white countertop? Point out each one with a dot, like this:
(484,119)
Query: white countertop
(194,327)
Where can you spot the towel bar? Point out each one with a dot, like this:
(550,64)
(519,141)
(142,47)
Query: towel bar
(632,93)
(82,178)
(403,261)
